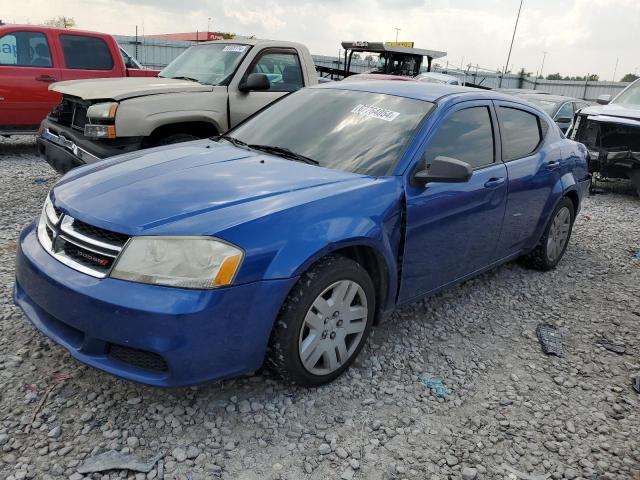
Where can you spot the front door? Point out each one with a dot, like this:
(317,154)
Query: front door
(282,68)
(26,70)
(453,228)
(87,56)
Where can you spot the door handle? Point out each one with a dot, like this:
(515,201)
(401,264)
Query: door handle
(553,164)
(494,182)
(46,78)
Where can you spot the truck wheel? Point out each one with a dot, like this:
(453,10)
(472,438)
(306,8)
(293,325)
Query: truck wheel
(176,138)
(324,322)
(555,239)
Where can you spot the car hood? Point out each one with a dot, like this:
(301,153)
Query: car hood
(611,111)
(150,192)
(123,88)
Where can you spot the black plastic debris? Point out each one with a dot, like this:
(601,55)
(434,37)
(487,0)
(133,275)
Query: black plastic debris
(113,460)
(550,339)
(618,348)
(636,384)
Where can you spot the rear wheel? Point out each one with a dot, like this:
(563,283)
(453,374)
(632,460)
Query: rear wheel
(324,322)
(555,239)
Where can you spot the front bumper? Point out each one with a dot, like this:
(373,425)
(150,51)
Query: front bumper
(64,148)
(170,337)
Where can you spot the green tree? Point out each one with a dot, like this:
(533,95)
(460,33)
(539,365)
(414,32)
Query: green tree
(630,77)
(61,22)
(554,76)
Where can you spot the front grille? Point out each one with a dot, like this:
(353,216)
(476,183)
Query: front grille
(83,247)
(100,233)
(71,113)
(79,117)
(138,358)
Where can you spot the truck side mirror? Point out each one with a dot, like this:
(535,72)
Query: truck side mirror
(255,81)
(443,170)
(604,99)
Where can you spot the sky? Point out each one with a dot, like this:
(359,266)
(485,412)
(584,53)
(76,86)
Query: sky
(579,36)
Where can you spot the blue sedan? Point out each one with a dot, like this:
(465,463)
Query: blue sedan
(287,239)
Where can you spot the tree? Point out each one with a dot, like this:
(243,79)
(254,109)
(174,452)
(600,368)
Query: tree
(630,77)
(554,76)
(61,22)
(356,56)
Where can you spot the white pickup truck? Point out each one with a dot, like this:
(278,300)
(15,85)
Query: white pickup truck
(207,90)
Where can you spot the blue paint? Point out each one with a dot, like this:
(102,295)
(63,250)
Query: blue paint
(436,385)
(285,215)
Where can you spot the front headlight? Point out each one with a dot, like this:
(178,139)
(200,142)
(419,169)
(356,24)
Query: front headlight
(185,262)
(102,111)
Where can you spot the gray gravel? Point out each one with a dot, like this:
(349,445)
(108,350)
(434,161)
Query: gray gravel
(509,410)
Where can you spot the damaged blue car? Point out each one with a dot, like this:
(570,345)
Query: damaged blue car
(287,239)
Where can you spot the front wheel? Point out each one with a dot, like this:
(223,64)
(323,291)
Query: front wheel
(324,322)
(555,239)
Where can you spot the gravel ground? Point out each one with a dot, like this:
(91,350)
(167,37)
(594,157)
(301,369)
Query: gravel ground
(509,411)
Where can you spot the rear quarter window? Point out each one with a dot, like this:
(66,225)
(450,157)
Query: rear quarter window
(521,132)
(86,53)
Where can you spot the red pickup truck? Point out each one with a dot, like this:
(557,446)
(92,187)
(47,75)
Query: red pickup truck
(32,57)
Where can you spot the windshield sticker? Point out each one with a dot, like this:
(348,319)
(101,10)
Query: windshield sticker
(234,48)
(375,112)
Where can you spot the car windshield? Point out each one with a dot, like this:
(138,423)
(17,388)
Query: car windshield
(630,96)
(354,131)
(211,64)
(548,106)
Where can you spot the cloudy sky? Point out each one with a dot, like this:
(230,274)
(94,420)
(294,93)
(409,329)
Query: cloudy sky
(580,36)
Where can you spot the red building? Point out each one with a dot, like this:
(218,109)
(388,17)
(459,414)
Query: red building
(190,36)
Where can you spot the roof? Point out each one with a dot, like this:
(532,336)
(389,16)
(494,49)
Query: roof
(379,76)
(255,41)
(545,98)
(38,28)
(378,47)
(428,92)
(437,75)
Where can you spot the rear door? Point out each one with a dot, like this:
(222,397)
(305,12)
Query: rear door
(534,167)
(27,68)
(87,56)
(283,68)
(453,228)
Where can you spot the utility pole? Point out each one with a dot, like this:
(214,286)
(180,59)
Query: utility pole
(208,25)
(511,46)
(542,66)
(615,69)
(397,30)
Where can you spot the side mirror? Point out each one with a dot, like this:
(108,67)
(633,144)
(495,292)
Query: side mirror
(564,120)
(604,99)
(444,170)
(255,81)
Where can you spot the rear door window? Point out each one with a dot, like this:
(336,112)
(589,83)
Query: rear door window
(566,111)
(25,49)
(82,52)
(465,135)
(520,131)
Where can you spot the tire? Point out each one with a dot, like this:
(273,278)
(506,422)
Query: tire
(302,329)
(176,138)
(634,176)
(548,253)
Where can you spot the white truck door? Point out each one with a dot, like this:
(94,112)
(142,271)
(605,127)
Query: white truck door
(283,69)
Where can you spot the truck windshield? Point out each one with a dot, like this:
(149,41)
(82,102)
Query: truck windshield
(630,96)
(355,131)
(211,64)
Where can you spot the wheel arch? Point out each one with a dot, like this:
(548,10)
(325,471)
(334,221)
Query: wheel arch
(378,264)
(198,128)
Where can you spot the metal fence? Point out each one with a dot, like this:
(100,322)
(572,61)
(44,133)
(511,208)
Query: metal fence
(154,53)
(159,52)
